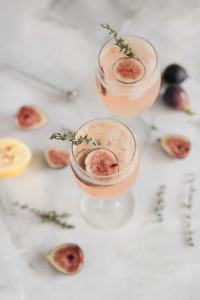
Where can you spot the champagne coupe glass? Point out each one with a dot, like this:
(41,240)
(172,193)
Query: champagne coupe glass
(129,99)
(105,172)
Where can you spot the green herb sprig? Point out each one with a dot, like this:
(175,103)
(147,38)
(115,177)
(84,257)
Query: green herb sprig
(160,203)
(188,205)
(120,42)
(72,138)
(49,217)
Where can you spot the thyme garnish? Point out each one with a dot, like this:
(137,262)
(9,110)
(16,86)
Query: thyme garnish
(48,217)
(188,211)
(71,136)
(120,42)
(153,127)
(160,203)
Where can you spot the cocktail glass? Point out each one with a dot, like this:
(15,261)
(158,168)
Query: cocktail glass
(127,100)
(107,202)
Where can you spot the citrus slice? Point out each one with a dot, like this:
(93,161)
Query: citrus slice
(14,157)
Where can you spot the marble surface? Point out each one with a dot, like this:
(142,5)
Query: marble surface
(59,40)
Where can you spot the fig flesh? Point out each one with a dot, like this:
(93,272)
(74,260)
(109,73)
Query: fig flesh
(101,162)
(67,258)
(29,118)
(174,74)
(56,158)
(177,98)
(176,146)
(128,70)
(80,158)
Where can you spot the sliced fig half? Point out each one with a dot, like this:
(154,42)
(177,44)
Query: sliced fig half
(101,162)
(56,158)
(81,156)
(176,146)
(67,258)
(29,118)
(128,70)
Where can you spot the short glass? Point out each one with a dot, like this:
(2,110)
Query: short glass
(129,99)
(107,202)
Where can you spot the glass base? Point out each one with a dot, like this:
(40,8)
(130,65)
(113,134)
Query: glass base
(139,128)
(107,214)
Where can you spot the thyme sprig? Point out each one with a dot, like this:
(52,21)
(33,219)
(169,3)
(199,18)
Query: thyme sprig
(188,205)
(71,136)
(48,217)
(160,203)
(120,42)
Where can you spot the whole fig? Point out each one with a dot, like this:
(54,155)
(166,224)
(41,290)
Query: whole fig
(174,74)
(176,97)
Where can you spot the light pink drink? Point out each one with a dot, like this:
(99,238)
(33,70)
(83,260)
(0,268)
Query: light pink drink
(125,99)
(113,137)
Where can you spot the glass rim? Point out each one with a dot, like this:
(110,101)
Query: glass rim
(129,84)
(104,176)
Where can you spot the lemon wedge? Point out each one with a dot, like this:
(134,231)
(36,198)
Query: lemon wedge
(14,157)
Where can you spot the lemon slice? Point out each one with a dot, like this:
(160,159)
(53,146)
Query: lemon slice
(14,157)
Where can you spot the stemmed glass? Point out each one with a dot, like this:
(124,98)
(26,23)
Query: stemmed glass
(105,172)
(129,99)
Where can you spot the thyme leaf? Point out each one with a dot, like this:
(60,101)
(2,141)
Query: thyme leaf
(160,203)
(188,206)
(71,136)
(120,42)
(48,217)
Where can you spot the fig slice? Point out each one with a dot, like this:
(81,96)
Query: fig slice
(176,146)
(101,162)
(81,156)
(128,70)
(29,118)
(67,258)
(56,158)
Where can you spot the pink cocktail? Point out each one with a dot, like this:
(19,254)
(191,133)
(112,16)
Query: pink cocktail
(123,98)
(106,171)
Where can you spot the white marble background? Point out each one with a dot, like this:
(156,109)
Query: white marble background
(59,40)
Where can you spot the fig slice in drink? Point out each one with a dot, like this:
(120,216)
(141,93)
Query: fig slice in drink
(128,70)
(101,162)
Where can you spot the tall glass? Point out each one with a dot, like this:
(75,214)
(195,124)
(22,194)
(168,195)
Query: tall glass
(129,99)
(105,172)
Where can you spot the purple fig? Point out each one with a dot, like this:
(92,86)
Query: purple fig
(176,97)
(174,74)
(67,258)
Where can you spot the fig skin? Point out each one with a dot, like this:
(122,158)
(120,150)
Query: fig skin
(175,146)
(29,118)
(176,97)
(56,158)
(128,70)
(174,74)
(66,259)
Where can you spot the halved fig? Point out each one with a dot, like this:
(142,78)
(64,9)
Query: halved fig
(56,158)
(101,162)
(128,70)
(67,258)
(176,146)
(81,156)
(29,118)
